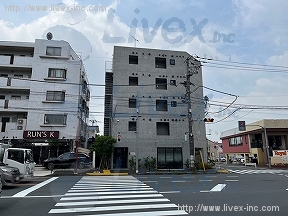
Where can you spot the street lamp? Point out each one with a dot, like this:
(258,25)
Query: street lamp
(266,141)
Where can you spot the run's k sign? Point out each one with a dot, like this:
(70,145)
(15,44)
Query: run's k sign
(41,134)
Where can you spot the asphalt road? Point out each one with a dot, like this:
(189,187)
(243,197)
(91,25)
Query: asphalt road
(241,192)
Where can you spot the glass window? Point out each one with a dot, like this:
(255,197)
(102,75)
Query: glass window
(133,81)
(132,126)
(172,61)
(161,83)
(162,128)
(55,96)
(132,103)
(53,51)
(57,73)
(161,105)
(160,62)
(15,97)
(133,59)
(58,119)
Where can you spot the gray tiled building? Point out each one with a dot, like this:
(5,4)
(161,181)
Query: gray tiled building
(145,106)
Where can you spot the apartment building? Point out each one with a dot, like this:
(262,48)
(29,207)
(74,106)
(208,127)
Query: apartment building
(44,94)
(146,108)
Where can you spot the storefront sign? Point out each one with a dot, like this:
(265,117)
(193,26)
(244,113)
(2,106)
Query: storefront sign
(280,153)
(41,134)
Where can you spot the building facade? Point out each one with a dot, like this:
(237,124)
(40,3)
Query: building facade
(44,95)
(146,107)
(263,142)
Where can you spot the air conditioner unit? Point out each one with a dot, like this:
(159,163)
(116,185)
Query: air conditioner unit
(19,127)
(20,121)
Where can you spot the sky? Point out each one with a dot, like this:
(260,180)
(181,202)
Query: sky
(242,46)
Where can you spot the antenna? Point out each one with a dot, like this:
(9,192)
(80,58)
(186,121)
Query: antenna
(135,41)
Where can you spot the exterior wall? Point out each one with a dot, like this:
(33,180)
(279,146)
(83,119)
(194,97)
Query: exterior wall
(244,148)
(34,64)
(146,93)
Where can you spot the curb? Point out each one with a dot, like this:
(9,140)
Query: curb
(222,171)
(105,174)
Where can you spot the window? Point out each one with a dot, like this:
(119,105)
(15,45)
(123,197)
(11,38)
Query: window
(235,141)
(173,82)
(133,81)
(57,73)
(169,158)
(15,97)
(133,59)
(132,126)
(161,83)
(57,119)
(18,76)
(173,103)
(2,97)
(3,75)
(172,61)
(162,128)
(161,105)
(53,51)
(55,96)
(160,62)
(132,103)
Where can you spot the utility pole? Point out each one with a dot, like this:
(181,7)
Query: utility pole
(187,83)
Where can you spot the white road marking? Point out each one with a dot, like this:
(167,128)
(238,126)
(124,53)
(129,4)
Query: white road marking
(163,192)
(35,187)
(110,197)
(232,180)
(154,213)
(94,202)
(218,187)
(205,180)
(111,208)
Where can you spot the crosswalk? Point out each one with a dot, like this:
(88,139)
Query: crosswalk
(114,195)
(255,171)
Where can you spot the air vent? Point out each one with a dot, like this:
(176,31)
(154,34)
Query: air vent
(19,127)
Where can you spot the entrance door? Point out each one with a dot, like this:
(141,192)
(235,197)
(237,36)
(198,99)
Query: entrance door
(120,157)
(4,121)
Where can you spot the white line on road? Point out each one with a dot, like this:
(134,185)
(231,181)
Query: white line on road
(232,176)
(110,197)
(165,177)
(109,208)
(149,181)
(218,187)
(35,187)
(205,180)
(181,181)
(153,213)
(111,202)
(169,192)
(232,180)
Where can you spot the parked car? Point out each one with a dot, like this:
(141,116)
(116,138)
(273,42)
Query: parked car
(68,160)
(222,159)
(9,175)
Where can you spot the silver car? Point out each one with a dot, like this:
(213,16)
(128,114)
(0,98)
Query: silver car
(9,175)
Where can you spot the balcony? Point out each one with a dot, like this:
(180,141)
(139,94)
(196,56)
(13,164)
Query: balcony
(18,105)
(17,61)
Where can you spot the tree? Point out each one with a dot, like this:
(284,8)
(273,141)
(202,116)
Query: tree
(103,146)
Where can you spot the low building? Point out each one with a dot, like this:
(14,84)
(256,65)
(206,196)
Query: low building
(263,142)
